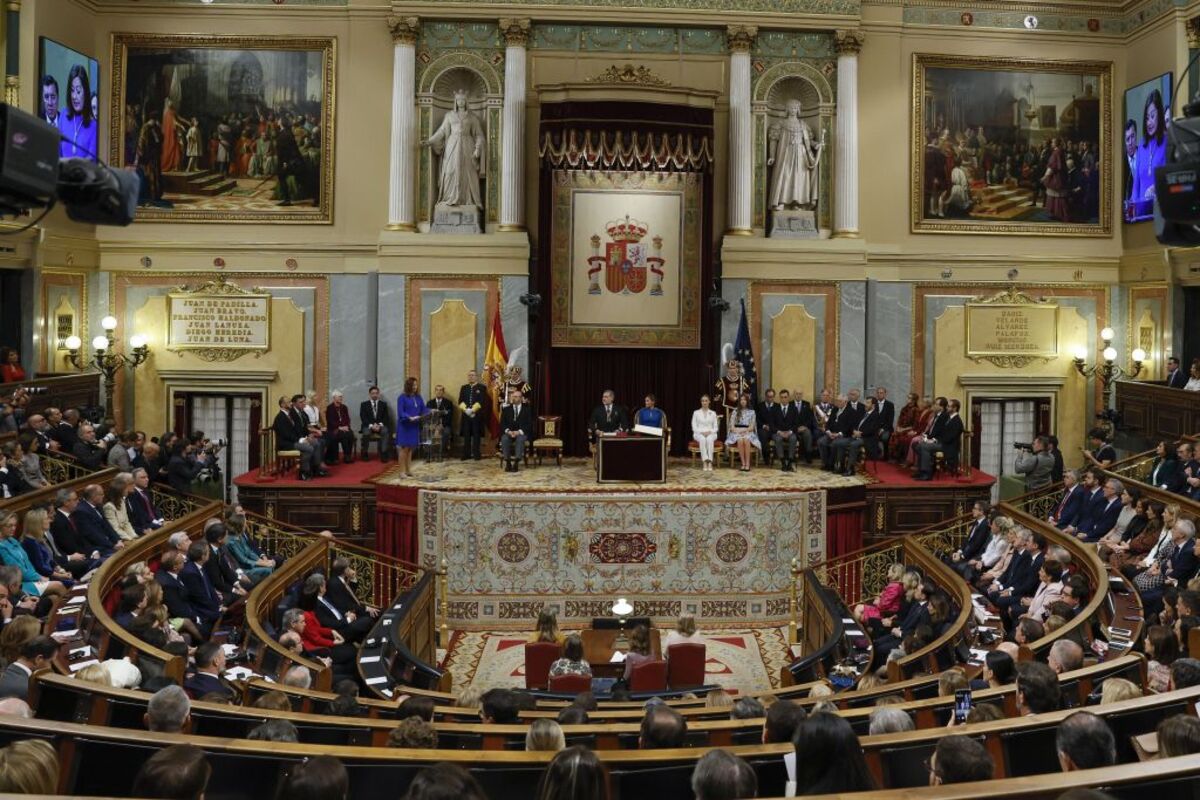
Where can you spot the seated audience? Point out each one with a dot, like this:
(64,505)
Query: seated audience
(684,633)
(420,706)
(37,653)
(415,733)
(545,735)
(719,698)
(274,730)
(30,766)
(747,708)
(662,727)
(1161,646)
(573,715)
(889,719)
(319,778)
(951,681)
(1084,741)
(210,663)
(115,511)
(547,627)
(273,700)
(1178,736)
(1065,656)
(639,649)
(1037,688)
(999,669)
(444,781)
(168,711)
(574,774)
(1185,673)
(828,757)
(959,759)
(719,775)
(572,662)
(178,772)
(500,707)
(887,602)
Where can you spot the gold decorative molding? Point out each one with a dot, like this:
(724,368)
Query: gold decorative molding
(741,37)
(1012,296)
(12,90)
(630,75)
(13,6)
(515,31)
(404,29)
(848,42)
(1192,26)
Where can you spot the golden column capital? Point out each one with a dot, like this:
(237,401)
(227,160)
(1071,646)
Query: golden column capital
(1192,26)
(848,42)
(404,29)
(741,37)
(515,31)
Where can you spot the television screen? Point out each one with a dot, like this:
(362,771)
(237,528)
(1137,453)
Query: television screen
(1144,144)
(68,97)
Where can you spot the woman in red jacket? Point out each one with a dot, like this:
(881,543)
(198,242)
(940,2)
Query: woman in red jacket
(10,366)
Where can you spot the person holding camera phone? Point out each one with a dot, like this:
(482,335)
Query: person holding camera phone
(1034,462)
(88,450)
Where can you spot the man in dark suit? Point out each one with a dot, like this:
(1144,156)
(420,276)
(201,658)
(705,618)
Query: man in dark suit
(1106,508)
(11,482)
(38,653)
(349,624)
(473,402)
(784,421)
(945,437)
(1177,378)
(284,425)
(516,430)
(199,591)
(292,433)
(608,417)
(855,409)
(976,541)
(1021,579)
(210,663)
(835,428)
(87,450)
(864,435)
(1070,505)
(64,529)
(445,410)
(341,589)
(806,426)
(95,533)
(887,415)
(766,433)
(916,616)
(139,505)
(61,430)
(375,422)
(220,569)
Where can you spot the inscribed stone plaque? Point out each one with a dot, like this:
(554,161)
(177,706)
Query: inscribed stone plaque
(996,329)
(227,321)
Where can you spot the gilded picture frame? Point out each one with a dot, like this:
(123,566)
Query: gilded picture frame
(253,119)
(983,162)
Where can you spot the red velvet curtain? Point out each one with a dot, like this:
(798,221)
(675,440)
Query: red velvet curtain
(844,520)
(396,522)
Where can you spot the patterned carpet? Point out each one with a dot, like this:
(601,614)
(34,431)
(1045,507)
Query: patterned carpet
(578,475)
(743,661)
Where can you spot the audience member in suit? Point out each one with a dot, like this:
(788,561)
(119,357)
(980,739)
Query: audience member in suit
(340,589)
(1165,472)
(375,421)
(785,427)
(887,416)
(1020,578)
(210,663)
(916,616)
(337,420)
(835,428)
(473,402)
(1177,377)
(38,653)
(284,425)
(351,626)
(946,440)
(184,468)
(1105,509)
(157,455)
(42,551)
(608,417)
(11,482)
(1175,570)
(806,429)
(93,529)
(220,569)
(976,541)
(516,430)
(766,430)
(62,428)
(1189,479)
(864,435)
(175,594)
(120,452)
(139,505)
(441,404)
(87,450)
(1066,512)
(200,593)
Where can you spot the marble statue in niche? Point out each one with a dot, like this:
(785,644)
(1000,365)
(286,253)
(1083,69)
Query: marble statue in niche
(460,142)
(794,158)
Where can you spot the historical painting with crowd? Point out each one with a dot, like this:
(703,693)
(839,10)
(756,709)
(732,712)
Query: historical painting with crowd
(1011,146)
(226,129)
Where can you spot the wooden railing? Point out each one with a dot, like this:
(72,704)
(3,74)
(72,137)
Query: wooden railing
(44,496)
(62,391)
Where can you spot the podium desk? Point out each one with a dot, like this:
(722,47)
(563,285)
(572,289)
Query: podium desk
(631,459)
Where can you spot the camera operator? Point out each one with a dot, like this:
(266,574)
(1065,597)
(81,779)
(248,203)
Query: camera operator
(184,466)
(88,450)
(1035,462)
(208,454)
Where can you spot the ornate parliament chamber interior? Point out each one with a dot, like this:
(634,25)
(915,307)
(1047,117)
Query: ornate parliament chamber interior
(683,399)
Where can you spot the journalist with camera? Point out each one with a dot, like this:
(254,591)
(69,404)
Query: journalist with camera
(1035,462)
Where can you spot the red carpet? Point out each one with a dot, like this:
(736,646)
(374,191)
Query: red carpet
(354,474)
(891,475)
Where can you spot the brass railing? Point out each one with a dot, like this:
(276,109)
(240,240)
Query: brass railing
(173,505)
(1039,503)
(60,468)
(268,465)
(1135,468)
(381,578)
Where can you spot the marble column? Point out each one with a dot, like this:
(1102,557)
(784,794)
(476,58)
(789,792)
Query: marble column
(845,160)
(401,209)
(512,126)
(12,57)
(741,144)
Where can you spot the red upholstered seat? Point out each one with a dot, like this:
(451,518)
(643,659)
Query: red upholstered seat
(570,684)
(649,676)
(538,658)
(685,665)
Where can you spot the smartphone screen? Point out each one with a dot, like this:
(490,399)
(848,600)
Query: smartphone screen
(962,705)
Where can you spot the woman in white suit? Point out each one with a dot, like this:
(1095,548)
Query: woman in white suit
(704,430)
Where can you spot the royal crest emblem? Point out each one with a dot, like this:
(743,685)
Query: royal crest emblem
(626,266)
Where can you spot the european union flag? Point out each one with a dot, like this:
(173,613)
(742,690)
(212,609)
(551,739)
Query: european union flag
(743,352)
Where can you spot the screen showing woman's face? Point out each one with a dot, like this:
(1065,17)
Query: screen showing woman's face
(77,95)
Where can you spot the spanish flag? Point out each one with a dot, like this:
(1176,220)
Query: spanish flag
(495,364)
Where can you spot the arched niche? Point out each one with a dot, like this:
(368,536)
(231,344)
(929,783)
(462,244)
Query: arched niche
(793,80)
(436,85)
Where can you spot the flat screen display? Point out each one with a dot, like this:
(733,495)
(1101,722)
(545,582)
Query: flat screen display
(1144,144)
(68,97)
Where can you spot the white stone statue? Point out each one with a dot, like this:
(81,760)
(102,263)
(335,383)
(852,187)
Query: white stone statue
(796,160)
(460,141)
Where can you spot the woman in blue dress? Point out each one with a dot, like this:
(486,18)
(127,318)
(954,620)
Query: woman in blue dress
(78,126)
(1152,153)
(650,414)
(409,408)
(13,554)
